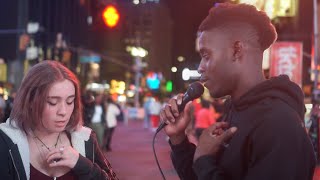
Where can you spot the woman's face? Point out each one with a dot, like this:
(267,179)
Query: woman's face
(58,107)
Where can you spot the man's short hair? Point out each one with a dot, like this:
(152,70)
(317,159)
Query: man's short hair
(227,13)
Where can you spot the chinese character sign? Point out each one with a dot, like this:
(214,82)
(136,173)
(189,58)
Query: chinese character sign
(286,58)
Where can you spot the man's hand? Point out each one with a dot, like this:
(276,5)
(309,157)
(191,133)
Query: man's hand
(213,138)
(176,122)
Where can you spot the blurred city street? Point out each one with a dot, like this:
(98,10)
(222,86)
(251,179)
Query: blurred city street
(132,56)
(132,157)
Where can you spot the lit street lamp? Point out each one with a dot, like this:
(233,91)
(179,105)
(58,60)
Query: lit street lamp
(316,49)
(138,53)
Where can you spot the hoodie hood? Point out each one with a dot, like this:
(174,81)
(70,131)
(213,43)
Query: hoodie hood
(279,87)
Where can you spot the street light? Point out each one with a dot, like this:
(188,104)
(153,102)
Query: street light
(316,49)
(174,69)
(110,16)
(138,53)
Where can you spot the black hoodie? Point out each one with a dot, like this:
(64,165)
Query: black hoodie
(270,144)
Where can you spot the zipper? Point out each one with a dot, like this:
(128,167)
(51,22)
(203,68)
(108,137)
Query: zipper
(14,164)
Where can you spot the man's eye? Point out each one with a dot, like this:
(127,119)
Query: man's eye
(205,56)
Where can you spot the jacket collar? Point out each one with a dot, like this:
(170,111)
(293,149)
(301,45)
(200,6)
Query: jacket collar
(78,139)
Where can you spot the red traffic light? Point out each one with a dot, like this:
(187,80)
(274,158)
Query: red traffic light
(110,16)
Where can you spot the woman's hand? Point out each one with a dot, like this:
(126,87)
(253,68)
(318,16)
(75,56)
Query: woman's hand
(63,156)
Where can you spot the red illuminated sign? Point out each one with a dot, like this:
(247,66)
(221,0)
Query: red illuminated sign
(286,58)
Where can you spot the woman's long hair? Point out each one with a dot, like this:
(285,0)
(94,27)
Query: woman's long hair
(31,97)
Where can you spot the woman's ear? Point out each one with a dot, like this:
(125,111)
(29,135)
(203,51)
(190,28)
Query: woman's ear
(237,50)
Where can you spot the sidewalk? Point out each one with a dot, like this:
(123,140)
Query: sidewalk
(132,157)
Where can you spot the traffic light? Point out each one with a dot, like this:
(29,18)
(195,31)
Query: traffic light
(110,16)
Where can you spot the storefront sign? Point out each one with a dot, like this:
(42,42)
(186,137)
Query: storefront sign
(3,72)
(286,58)
(275,8)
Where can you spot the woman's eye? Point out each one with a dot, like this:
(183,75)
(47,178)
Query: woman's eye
(51,103)
(70,103)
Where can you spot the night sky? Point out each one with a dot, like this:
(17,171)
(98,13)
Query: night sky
(187,16)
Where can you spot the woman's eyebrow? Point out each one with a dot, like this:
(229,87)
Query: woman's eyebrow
(59,97)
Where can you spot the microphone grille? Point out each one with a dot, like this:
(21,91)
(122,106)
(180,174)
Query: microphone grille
(195,90)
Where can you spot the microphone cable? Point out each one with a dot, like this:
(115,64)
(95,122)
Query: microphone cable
(195,90)
(155,154)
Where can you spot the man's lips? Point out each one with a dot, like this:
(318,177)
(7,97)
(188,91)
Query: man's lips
(203,79)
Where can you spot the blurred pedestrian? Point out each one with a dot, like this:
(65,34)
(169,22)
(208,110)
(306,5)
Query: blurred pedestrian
(146,106)
(204,118)
(9,104)
(154,110)
(112,111)
(44,137)
(120,117)
(2,107)
(194,109)
(98,118)
(313,131)
(88,107)
(262,137)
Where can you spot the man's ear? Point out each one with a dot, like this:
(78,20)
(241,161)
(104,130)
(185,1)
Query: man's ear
(237,50)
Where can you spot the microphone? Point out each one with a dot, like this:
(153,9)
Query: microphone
(194,91)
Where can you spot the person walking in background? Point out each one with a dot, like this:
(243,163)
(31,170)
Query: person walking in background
(154,110)
(204,118)
(44,137)
(98,118)
(2,107)
(9,104)
(121,116)
(112,111)
(262,136)
(146,106)
(88,107)
(313,130)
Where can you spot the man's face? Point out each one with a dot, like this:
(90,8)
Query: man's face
(58,107)
(216,66)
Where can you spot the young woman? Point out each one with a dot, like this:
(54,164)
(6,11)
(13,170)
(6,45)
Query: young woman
(44,137)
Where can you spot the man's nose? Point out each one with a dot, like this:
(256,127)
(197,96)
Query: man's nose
(200,69)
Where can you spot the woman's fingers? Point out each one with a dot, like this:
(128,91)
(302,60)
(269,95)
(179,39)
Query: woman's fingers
(55,155)
(63,156)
